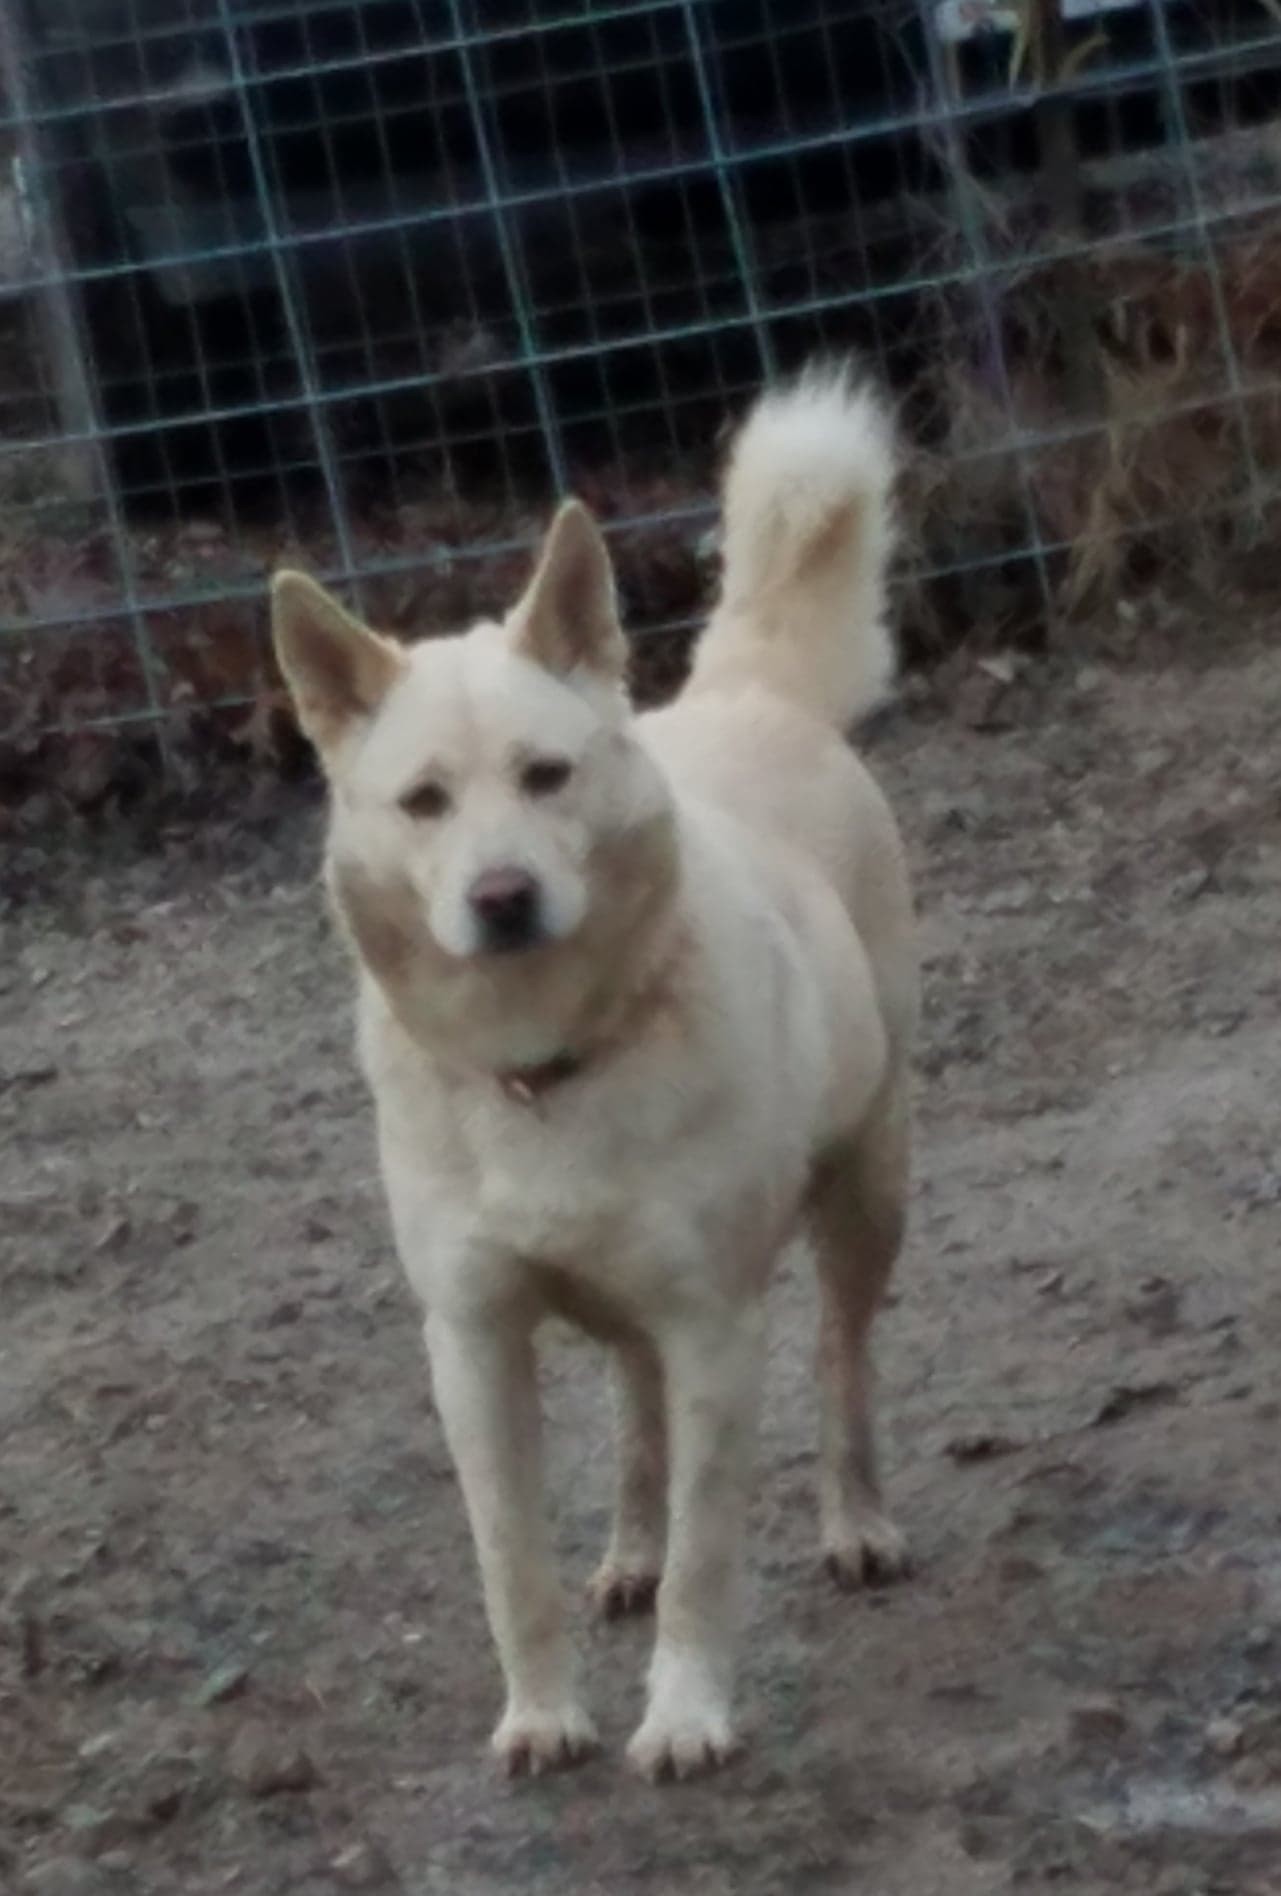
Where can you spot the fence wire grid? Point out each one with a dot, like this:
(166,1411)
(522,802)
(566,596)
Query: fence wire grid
(365,284)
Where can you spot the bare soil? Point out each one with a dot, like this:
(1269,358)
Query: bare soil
(241,1646)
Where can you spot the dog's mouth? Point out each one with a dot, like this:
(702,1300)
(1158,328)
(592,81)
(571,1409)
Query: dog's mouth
(518,932)
(500,946)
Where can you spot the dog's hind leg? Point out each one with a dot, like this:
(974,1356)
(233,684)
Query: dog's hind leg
(627,1579)
(856,1226)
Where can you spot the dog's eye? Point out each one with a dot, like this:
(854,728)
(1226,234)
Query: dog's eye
(425,800)
(545,776)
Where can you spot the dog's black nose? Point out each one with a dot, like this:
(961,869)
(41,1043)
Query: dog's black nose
(506,904)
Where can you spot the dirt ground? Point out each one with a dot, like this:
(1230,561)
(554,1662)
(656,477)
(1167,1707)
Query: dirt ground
(241,1646)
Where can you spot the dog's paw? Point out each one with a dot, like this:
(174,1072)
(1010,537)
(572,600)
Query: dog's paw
(532,1741)
(618,1592)
(682,1743)
(873,1554)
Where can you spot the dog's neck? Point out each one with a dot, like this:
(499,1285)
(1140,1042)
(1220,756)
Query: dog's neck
(606,1029)
(527,1085)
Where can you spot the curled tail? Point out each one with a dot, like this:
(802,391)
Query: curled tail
(807,534)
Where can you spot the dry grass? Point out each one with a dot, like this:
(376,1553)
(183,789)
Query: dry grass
(1166,480)
(1162,484)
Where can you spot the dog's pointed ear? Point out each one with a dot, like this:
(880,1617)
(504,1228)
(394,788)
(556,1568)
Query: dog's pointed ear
(567,619)
(337,670)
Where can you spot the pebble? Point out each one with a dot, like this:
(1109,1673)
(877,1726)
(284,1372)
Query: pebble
(97,1830)
(266,1763)
(66,1876)
(1098,1721)
(225,1682)
(364,1866)
(1225,1737)
(979,1447)
(1019,1570)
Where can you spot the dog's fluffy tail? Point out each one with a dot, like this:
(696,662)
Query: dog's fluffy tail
(807,534)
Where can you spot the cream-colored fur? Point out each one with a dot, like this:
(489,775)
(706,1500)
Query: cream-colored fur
(700,1055)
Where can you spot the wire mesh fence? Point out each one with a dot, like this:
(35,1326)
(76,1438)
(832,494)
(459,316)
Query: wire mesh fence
(365,283)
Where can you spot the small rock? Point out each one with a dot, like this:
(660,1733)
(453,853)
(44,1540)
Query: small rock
(284,1313)
(183,1221)
(1225,1737)
(1257,1772)
(225,1682)
(364,1866)
(1019,1570)
(163,1795)
(25,1078)
(1127,1397)
(267,1763)
(31,1644)
(979,703)
(980,1841)
(66,1876)
(979,1447)
(1098,1721)
(1263,1191)
(97,1830)
(1156,1307)
(1188,887)
(1010,900)
(1258,1641)
(114,1234)
(956,810)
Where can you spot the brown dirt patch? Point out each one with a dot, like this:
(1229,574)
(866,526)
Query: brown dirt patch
(241,1646)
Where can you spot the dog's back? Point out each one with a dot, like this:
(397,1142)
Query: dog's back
(796,651)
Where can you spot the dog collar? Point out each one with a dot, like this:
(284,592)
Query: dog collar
(526,1085)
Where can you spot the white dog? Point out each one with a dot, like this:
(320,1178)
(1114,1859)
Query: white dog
(636,1000)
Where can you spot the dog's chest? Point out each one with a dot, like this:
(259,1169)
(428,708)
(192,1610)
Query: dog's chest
(607,1202)
(572,1179)
(677,1159)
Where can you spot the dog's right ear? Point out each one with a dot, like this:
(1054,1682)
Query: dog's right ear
(337,670)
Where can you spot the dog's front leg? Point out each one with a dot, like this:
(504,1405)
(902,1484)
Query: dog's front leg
(712,1371)
(485,1383)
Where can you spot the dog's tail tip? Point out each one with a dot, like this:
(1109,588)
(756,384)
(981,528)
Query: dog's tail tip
(828,424)
(807,535)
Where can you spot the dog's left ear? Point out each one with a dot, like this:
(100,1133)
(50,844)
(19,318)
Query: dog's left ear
(567,619)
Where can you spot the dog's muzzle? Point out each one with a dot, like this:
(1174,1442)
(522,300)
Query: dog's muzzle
(508,907)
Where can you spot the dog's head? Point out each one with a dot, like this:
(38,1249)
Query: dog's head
(488,796)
